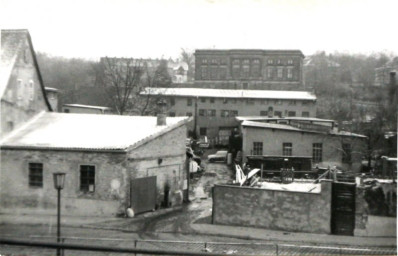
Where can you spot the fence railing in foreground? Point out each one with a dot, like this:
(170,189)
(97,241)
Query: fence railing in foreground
(167,247)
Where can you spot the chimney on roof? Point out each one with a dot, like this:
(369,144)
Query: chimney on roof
(161,112)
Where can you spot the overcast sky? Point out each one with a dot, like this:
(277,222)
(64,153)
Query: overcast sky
(156,28)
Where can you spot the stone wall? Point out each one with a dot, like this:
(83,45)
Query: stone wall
(376,209)
(108,198)
(278,210)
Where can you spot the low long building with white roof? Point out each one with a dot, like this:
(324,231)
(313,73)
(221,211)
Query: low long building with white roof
(216,109)
(111,163)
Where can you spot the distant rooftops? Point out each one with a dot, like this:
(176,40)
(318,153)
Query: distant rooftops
(249,51)
(224,93)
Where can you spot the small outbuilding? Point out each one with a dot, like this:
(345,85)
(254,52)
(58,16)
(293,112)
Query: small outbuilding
(111,163)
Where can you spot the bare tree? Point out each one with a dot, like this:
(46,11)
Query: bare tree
(189,58)
(121,79)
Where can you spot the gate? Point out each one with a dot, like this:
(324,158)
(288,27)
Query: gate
(143,194)
(343,208)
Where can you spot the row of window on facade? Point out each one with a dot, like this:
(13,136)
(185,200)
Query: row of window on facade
(248,101)
(223,61)
(22,90)
(237,71)
(287,149)
(234,113)
(87,177)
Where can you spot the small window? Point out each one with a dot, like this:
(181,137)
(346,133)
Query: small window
(87,178)
(234,113)
(290,61)
(224,113)
(287,148)
(172,114)
(289,73)
(189,102)
(66,110)
(202,112)
(317,152)
(204,61)
(189,113)
(305,114)
(257,148)
(36,175)
(280,72)
(203,100)
(250,101)
(292,102)
(211,112)
(225,101)
(263,113)
(31,90)
(292,113)
(278,102)
(172,102)
(203,131)
(346,153)
(270,61)
(19,89)
(211,100)
(278,113)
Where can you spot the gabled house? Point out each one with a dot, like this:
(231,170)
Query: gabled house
(111,163)
(22,91)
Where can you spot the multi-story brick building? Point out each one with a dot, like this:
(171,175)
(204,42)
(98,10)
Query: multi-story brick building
(216,108)
(249,69)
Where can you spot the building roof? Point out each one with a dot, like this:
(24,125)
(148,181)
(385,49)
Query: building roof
(86,132)
(223,93)
(12,41)
(51,89)
(250,51)
(86,106)
(291,128)
(296,118)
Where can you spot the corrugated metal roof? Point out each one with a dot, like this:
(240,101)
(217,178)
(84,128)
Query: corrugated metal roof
(223,93)
(60,131)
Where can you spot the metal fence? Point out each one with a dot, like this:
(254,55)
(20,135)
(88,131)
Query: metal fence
(165,247)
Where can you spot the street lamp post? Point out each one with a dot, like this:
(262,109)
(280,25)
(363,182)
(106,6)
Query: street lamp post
(59,179)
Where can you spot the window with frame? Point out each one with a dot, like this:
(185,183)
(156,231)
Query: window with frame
(290,73)
(233,113)
(257,148)
(287,148)
(202,112)
(280,72)
(250,101)
(290,61)
(236,68)
(31,90)
(172,101)
(211,100)
(225,101)
(291,113)
(246,68)
(224,113)
(189,102)
(189,114)
(305,114)
(203,100)
(36,175)
(211,112)
(203,131)
(87,178)
(292,102)
(278,102)
(204,61)
(270,73)
(263,113)
(346,153)
(172,114)
(278,113)
(317,152)
(270,61)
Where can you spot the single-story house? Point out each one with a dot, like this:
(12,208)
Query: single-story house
(111,163)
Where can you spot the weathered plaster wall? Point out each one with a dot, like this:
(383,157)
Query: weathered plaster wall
(111,183)
(376,210)
(278,210)
(163,157)
(20,102)
(302,145)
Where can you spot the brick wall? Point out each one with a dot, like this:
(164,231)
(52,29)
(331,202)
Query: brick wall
(278,210)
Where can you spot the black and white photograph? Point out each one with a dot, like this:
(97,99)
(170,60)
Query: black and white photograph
(199,127)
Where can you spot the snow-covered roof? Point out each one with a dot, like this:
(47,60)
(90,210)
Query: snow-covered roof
(85,106)
(61,131)
(296,118)
(224,93)
(291,128)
